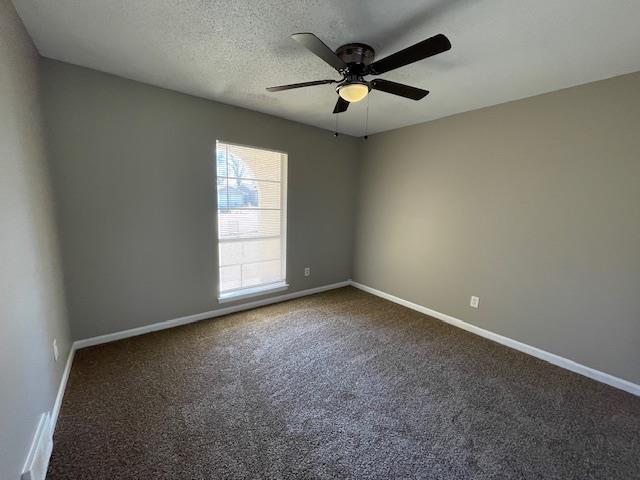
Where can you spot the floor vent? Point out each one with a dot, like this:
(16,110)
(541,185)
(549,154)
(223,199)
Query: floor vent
(35,468)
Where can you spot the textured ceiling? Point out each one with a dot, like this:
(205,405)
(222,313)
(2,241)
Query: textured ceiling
(230,50)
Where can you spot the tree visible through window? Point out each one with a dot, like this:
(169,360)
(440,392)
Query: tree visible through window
(251,185)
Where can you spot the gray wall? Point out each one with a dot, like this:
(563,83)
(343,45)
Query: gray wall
(133,168)
(533,205)
(32,309)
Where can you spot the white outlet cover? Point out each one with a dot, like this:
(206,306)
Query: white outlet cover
(307,271)
(55,350)
(475,302)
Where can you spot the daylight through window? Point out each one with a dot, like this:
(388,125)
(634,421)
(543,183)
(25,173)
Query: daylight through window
(251,185)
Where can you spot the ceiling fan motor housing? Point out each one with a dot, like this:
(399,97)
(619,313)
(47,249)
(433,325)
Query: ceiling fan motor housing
(356,56)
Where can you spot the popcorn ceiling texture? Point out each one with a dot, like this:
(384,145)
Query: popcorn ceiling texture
(230,50)
(339,385)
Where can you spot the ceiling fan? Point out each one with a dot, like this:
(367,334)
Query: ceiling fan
(354,61)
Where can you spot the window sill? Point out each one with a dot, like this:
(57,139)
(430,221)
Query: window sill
(252,292)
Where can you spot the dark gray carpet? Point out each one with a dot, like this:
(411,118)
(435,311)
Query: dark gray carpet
(338,385)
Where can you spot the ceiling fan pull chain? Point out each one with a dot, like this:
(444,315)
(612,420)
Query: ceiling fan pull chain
(335,131)
(366,121)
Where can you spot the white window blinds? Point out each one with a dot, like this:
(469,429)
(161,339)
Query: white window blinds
(252,188)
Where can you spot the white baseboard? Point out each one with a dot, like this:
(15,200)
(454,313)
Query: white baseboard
(37,462)
(154,327)
(523,347)
(36,451)
(63,385)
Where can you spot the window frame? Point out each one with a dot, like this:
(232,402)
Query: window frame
(264,289)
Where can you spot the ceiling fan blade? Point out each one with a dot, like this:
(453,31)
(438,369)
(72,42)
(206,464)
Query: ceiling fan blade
(341,105)
(424,49)
(399,89)
(313,43)
(300,85)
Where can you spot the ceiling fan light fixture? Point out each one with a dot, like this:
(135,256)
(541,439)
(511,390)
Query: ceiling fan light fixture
(353,92)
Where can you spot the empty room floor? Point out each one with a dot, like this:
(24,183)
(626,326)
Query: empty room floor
(341,384)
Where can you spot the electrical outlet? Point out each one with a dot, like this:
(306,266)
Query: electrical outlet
(307,271)
(475,302)
(55,350)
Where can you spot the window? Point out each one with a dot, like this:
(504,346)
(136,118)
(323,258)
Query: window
(252,214)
